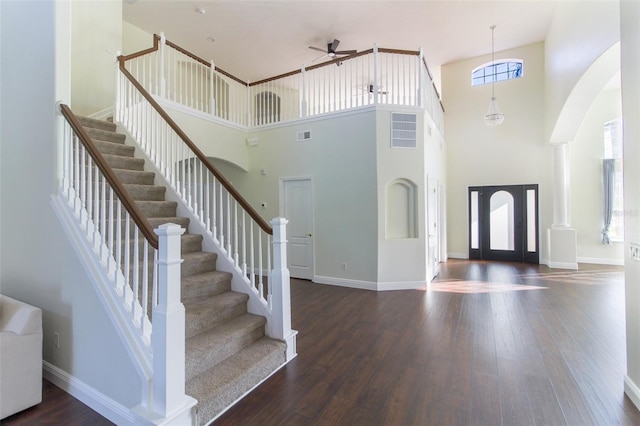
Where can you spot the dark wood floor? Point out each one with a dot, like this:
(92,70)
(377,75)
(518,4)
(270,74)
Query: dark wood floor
(57,408)
(488,344)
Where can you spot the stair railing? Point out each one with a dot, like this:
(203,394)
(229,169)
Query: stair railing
(142,265)
(177,75)
(255,248)
(377,76)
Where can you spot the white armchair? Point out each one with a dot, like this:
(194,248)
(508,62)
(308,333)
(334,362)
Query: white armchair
(20,356)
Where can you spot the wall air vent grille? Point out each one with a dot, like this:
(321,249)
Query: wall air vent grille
(404,130)
(303,136)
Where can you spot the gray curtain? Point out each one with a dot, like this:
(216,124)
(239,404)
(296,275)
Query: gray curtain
(608,171)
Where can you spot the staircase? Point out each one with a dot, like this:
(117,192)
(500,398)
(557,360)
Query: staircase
(227,352)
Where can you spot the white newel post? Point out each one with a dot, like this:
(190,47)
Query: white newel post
(280,326)
(212,100)
(162,83)
(420,100)
(303,89)
(168,337)
(116,107)
(375,74)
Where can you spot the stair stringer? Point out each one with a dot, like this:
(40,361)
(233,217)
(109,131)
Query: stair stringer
(255,305)
(104,286)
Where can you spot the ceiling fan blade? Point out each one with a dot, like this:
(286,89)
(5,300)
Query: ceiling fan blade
(346,52)
(320,57)
(318,49)
(333,46)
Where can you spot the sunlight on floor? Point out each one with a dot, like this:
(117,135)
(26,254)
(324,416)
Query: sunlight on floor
(460,286)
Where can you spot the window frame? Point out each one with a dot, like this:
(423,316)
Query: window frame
(493,77)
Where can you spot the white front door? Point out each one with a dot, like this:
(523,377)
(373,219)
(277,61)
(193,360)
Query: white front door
(297,208)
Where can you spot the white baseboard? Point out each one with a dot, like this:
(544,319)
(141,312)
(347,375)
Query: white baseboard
(601,261)
(632,390)
(458,255)
(402,285)
(370,285)
(344,282)
(105,406)
(563,265)
(103,115)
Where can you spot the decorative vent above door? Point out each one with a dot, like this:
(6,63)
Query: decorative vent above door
(404,130)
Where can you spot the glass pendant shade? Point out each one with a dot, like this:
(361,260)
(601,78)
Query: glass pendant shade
(494,116)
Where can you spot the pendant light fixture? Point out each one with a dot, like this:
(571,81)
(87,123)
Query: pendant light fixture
(494,116)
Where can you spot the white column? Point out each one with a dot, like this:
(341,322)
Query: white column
(280,325)
(168,337)
(560,186)
(563,240)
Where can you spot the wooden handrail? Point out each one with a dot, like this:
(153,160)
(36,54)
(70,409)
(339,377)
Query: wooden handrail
(424,62)
(156,42)
(223,180)
(122,193)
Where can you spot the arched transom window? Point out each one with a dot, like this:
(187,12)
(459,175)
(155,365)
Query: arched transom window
(499,70)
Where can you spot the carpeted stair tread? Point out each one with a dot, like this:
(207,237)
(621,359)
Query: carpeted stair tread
(146,192)
(204,285)
(97,124)
(103,135)
(115,148)
(198,263)
(216,344)
(190,243)
(157,221)
(124,163)
(135,176)
(220,386)
(157,208)
(212,311)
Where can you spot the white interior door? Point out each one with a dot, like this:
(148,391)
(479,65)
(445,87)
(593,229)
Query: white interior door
(298,210)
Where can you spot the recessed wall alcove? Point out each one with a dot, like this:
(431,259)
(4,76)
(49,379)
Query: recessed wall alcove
(402,209)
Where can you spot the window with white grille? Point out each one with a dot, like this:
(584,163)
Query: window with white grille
(404,130)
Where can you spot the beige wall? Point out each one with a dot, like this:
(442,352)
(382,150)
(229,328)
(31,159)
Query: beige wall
(515,152)
(96,37)
(630,71)
(586,153)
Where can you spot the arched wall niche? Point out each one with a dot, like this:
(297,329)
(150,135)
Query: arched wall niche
(401,209)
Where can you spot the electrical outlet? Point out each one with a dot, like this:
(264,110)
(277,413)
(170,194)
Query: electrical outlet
(634,251)
(56,340)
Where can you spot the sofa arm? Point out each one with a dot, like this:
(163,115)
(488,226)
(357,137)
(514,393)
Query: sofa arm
(19,317)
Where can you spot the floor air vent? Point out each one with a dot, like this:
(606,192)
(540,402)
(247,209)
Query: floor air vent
(403,130)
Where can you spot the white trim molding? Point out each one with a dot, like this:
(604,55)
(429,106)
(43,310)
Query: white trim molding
(632,390)
(370,285)
(105,406)
(601,261)
(464,256)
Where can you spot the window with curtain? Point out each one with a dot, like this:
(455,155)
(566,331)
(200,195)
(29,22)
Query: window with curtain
(613,227)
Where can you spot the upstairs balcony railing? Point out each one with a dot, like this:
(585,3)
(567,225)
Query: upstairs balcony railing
(376,76)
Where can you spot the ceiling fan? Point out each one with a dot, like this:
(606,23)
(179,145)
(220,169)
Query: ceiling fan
(381,91)
(331,50)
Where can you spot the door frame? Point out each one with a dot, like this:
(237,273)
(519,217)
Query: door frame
(482,251)
(281,211)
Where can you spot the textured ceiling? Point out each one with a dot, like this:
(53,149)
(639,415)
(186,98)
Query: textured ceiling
(259,39)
